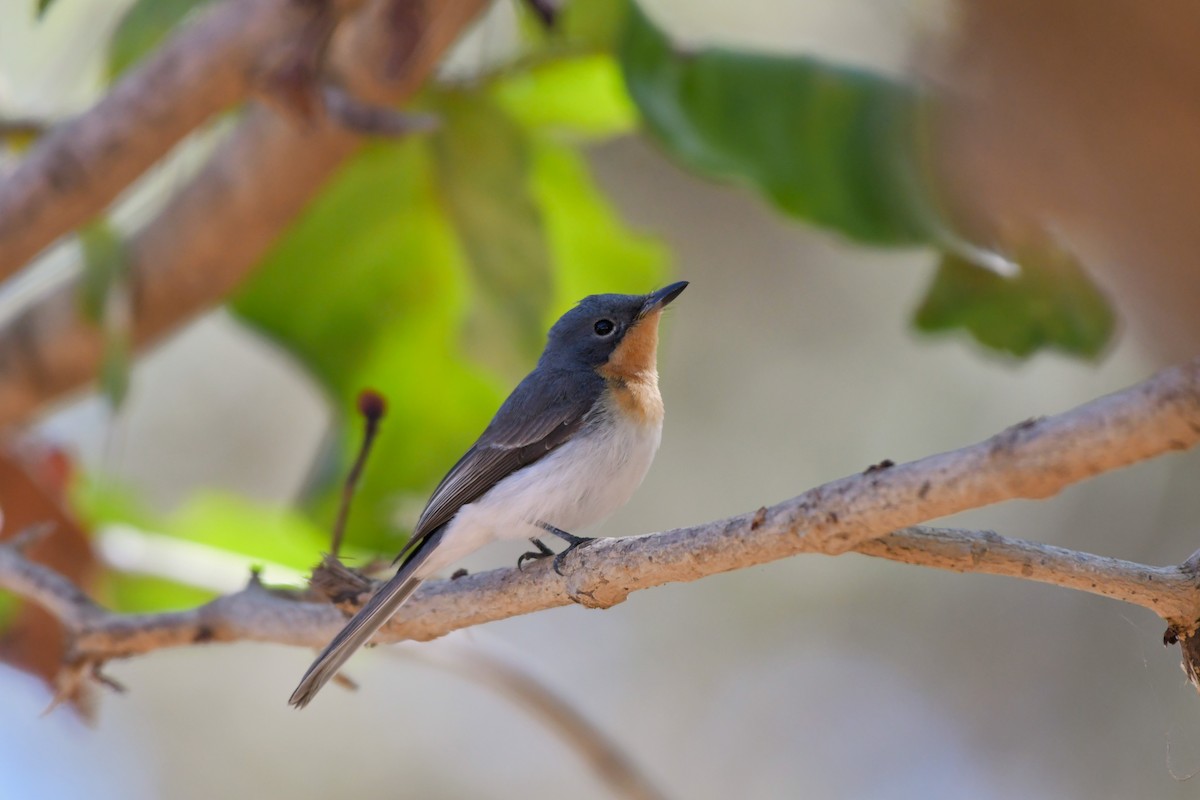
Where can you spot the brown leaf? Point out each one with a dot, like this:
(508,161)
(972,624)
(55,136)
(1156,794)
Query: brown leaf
(33,486)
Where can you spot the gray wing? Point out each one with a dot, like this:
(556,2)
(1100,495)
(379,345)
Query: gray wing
(543,412)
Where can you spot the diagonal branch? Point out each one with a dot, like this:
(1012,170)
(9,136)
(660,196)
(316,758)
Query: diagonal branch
(870,513)
(1171,592)
(82,165)
(212,234)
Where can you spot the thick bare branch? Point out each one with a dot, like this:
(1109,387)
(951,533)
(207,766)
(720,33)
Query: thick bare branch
(82,165)
(1033,459)
(216,230)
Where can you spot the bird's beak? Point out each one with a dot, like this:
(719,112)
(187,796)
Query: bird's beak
(655,301)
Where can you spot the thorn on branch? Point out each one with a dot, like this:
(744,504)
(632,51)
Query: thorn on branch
(887,463)
(1010,437)
(97,674)
(759,518)
(70,685)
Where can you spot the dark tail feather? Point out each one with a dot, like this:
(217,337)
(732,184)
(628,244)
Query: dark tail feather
(362,626)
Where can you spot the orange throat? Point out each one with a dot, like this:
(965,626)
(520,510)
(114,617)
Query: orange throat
(632,372)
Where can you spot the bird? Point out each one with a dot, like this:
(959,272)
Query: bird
(567,448)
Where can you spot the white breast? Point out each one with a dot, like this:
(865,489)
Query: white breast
(573,488)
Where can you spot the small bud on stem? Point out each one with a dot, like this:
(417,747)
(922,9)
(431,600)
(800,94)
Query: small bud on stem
(373,407)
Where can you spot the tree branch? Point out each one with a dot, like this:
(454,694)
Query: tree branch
(212,234)
(1171,592)
(81,166)
(858,513)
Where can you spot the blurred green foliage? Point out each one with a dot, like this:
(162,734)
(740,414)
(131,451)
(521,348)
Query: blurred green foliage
(430,268)
(1049,303)
(9,603)
(578,97)
(219,523)
(482,159)
(103,297)
(831,145)
(843,148)
(134,593)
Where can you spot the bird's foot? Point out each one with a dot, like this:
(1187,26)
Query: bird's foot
(534,555)
(573,543)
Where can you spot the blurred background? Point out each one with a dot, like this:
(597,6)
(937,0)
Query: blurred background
(792,360)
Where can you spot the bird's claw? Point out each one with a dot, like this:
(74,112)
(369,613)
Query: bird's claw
(534,555)
(573,542)
(576,543)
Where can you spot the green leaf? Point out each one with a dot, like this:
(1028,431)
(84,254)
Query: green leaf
(105,300)
(97,500)
(105,264)
(577,96)
(1051,303)
(236,525)
(356,265)
(374,286)
(115,365)
(370,289)
(220,520)
(832,145)
(580,27)
(143,594)
(224,523)
(482,159)
(9,604)
(592,24)
(142,28)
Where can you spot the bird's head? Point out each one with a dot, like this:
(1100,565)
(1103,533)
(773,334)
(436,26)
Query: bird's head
(615,334)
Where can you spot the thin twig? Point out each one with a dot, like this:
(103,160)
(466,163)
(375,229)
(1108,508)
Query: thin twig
(1170,592)
(372,407)
(610,763)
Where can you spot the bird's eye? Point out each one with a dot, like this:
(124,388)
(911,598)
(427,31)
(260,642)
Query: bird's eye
(603,327)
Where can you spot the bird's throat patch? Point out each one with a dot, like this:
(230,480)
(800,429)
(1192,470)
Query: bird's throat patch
(632,371)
